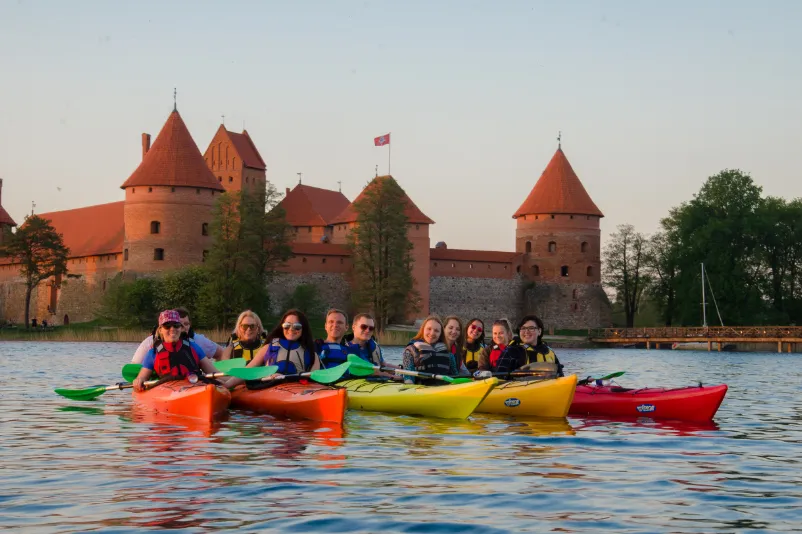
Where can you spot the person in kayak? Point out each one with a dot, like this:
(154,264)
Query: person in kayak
(528,352)
(246,339)
(427,352)
(454,334)
(291,348)
(474,344)
(502,334)
(332,351)
(173,356)
(209,347)
(361,342)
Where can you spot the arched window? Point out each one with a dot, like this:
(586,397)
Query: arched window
(584,246)
(564,270)
(323,260)
(535,270)
(528,247)
(230,179)
(590,270)
(158,254)
(155,227)
(552,246)
(205,229)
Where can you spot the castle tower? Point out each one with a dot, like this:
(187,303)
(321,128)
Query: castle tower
(558,233)
(168,203)
(417,232)
(6,222)
(311,210)
(235,161)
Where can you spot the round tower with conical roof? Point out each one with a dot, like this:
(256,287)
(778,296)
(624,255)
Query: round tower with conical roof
(558,233)
(168,203)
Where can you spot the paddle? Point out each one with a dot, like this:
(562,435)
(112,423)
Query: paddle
(226,365)
(131,370)
(88,394)
(323,376)
(359,367)
(589,379)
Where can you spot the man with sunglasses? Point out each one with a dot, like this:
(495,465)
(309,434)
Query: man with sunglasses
(361,342)
(207,346)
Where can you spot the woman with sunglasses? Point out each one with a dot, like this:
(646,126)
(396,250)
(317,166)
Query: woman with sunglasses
(502,335)
(172,356)
(528,350)
(247,338)
(290,347)
(427,352)
(474,344)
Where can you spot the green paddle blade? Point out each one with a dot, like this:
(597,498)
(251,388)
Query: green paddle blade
(461,381)
(612,375)
(252,373)
(327,376)
(226,365)
(86,394)
(359,367)
(130,371)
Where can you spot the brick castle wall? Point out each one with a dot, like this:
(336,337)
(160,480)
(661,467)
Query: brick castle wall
(333,289)
(569,306)
(486,298)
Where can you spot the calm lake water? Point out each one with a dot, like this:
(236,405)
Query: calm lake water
(101,466)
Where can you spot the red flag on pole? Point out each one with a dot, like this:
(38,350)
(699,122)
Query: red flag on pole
(381,140)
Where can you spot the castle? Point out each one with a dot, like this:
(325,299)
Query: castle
(163,223)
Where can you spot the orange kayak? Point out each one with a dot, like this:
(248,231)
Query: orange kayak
(294,400)
(199,401)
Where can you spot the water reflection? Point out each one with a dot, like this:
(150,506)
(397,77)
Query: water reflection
(679,428)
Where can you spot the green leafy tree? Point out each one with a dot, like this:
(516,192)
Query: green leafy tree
(183,288)
(41,253)
(382,253)
(305,297)
(132,302)
(662,261)
(624,269)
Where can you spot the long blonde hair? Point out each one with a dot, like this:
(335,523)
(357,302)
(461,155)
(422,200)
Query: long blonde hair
(441,339)
(248,313)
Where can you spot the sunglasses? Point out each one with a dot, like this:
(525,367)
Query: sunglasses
(476,328)
(247,326)
(168,326)
(367,328)
(295,326)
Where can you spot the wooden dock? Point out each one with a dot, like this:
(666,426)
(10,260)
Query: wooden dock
(783,336)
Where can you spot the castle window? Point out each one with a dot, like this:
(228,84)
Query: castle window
(172,189)
(564,270)
(303,260)
(505,267)
(125,255)
(574,306)
(528,247)
(158,254)
(552,246)
(488,266)
(574,294)
(584,246)
(205,229)
(537,217)
(205,255)
(323,260)
(133,189)
(197,191)
(590,271)
(155,227)
(220,179)
(552,216)
(309,230)
(435,264)
(535,270)
(230,179)
(518,269)
(572,216)
(150,190)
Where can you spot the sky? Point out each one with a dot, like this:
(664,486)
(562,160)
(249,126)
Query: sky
(651,98)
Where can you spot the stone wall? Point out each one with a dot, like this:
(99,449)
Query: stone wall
(570,306)
(333,289)
(486,298)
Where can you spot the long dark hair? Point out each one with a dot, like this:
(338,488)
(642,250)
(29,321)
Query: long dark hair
(306,340)
(468,325)
(525,319)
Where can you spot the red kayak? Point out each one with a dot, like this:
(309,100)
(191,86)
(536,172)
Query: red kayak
(694,403)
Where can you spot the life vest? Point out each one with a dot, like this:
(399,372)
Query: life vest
(290,357)
(178,360)
(373,349)
(246,349)
(519,354)
(435,359)
(471,354)
(331,354)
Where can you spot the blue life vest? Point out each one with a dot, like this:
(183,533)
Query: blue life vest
(331,354)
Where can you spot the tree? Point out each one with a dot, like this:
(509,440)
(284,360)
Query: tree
(624,268)
(250,241)
(662,261)
(132,302)
(182,289)
(382,253)
(305,297)
(41,253)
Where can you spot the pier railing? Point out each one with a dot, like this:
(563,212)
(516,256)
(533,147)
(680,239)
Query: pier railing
(715,333)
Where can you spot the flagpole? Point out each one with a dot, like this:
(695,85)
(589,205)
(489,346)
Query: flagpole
(389,152)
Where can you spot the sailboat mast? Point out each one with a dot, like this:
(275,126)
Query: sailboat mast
(704,304)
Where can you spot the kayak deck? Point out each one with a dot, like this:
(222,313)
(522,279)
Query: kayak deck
(294,400)
(180,398)
(449,401)
(537,398)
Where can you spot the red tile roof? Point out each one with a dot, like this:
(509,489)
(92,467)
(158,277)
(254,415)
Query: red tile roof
(472,255)
(247,151)
(413,213)
(91,230)
(558,191)
(5,218)
(174,160)
(312,206)
(319,249)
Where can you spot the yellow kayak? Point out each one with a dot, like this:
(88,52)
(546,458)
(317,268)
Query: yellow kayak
(449,401)
(538,398)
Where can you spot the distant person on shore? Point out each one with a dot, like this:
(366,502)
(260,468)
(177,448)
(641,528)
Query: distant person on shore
(502,335)
(172,356)
(247,338)
(427,352)
(474,344)
(209,347)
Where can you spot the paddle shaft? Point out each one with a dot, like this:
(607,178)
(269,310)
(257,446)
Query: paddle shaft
(420,374)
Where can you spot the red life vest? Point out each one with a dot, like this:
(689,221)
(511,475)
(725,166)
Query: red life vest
(495,354)
(175,359)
